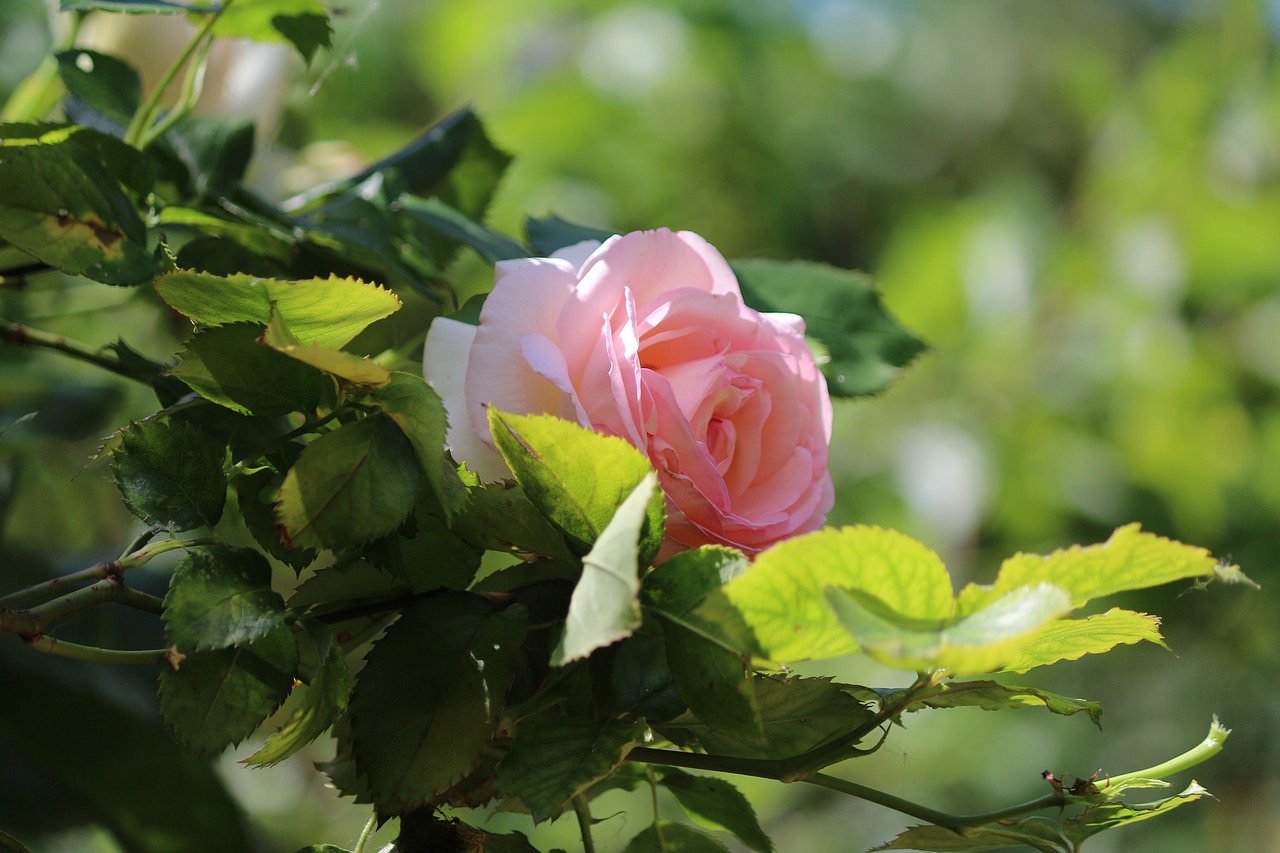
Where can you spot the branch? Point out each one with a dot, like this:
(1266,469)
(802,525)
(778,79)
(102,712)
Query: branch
(93,654)
(16,333)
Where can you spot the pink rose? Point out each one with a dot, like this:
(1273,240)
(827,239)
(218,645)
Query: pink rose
(646,337)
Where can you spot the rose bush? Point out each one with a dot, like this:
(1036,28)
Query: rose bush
(646,337)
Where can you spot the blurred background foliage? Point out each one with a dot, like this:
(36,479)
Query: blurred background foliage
(1078,204)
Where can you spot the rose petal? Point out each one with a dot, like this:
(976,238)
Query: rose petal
(444,364)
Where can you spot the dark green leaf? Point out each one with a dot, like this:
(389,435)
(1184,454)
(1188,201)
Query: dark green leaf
(426,703)
(307,33)
(499,518)
(216,699)
(319,311)
(228,366)
(60,204)
(718,803)
(215,153)
(675,838)
(427,552)
(1110,815)
(265,244)
(641,680)
(842,309)
(256,494)
(170,473)
(555,758)
(102,83)
(992,696)
(798,715)
(220,596)
(1036,833)
(322,848)
(575,477)
(551,233)
(451,223)
(315,706)
(416,408)
(8,842)
(120,767)
(606,601)
(709,658)
(350,486)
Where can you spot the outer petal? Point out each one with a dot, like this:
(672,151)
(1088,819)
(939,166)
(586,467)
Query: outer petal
(444,365)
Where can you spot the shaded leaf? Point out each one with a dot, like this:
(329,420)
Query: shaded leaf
(315,706)
(220,596)
(228,366)
(555,758)
(675,838)
(303,23)
(105,84)
(605,606)
(322,312)
(415,407)
(718,803)
(170,473)
(641,680)
(135,6)
(256,494)
(350,485)
(992,696)
(499,517)
(216,699)
(1037,833)
(549,234)
(453,224)
(781,595)
(426,703)
(867,347)
(575,477)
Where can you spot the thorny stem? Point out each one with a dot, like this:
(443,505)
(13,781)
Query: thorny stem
(93,654)
(16,333)
(583,813)
(767,769)
(99,571)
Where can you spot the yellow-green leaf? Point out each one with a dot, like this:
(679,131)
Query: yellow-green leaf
(345,367)
(1071,639)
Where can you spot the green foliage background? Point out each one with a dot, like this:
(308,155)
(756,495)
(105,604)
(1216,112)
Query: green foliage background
(1077,204)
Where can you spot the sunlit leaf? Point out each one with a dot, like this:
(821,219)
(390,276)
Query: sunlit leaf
(303,23)
(575,477)
(426,703)
(605,606)
(1070,639)
(349,369)
(782,595)
(992,696)
(322,312)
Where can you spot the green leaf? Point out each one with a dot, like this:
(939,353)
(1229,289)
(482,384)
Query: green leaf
(718,803)
(453,224)
(555,758)
(350,485)
(842,310)
(216,152)
(575,477)
(228,366)
(321,848)
(782,595)
(60,202)
(107,85)
(304,23)
(416,408)
(1037,833)
(499,517)
(980,642)
(1110,815)
(797,714)
(315,706)
(1129,560)
(427,552)
(350,370)
(322,312)
(228,233)
(216,699)
(675,838)
(427,701)
(641,680)
(170,473)
(116,764)
(992,696)
(605,606)
(551,233)
(220,596)
(8,842)
(1071,639)
(709,658)
(256,494)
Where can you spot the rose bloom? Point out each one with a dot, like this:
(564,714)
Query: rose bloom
(646,337)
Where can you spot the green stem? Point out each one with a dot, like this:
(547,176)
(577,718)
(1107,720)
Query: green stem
(583,813)
(38,93)
(108,589)
(16,333)
(145,116)
(366,834)
(93,654)
(653,796)
(1206,749)
(307,427)
(191,90)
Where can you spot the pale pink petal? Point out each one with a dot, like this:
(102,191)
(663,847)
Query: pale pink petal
(577,254)
(444,364)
